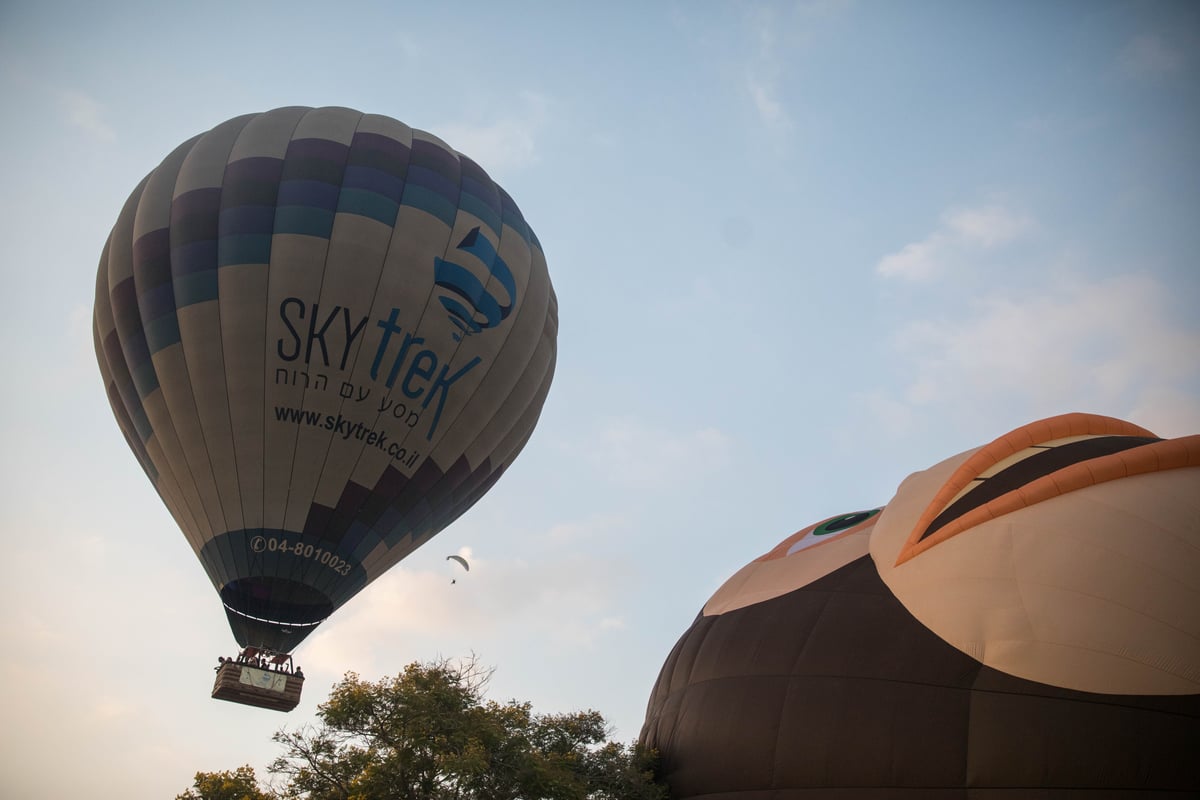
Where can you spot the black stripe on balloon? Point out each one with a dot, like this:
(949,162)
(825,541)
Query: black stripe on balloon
(1030,469)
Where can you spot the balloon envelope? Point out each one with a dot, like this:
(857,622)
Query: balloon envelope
(1047,646)
(324,335)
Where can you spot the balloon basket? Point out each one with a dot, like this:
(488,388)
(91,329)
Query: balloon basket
(257,682)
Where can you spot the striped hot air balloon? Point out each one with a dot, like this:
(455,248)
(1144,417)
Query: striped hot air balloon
(324,335)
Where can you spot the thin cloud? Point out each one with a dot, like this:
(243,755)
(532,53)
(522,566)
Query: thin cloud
(916,261)
(591,529)
(410,49)
(108,707)
(988,226)
(777,35)
(960,234)
(571,599)
(1150,56)
(634,454)
(763,72)
(507,144)
(770,110)
(86,114)
(1105,346)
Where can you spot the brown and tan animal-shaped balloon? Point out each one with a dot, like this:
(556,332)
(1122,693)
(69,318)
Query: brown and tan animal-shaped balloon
(1021,620)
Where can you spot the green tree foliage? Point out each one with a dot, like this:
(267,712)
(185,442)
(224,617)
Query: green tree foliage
(240,784)
(430,734)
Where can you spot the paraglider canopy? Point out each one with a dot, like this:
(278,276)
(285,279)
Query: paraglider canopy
(460,560)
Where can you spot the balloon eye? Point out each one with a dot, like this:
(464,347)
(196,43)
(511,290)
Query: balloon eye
(831,528)
(839,524)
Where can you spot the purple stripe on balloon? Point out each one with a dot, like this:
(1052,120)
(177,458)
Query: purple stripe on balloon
(195,257)
(157,301)
(115,356)
(383,144)
(310,194)
(435,157)
(390,482)
(485,192)
(434,181)
(152,259)
(251,181)
(374,180)
(353,495)
(246,219)
(317,520)
(123,299)
(256,168)
(199,202)
(322,149)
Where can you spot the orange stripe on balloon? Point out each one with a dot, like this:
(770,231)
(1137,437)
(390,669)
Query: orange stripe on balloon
(1166,454)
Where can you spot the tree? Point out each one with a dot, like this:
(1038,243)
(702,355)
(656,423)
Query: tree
(429,733)
(240,784)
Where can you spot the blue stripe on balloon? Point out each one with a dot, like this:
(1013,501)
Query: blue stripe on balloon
(282,565)
(432,180)
(245,248)
(133,345)
(310,193)
(158,301)
(375,180)
(162,332)
(483,249)
(141,424)
(304,221)
(473,204)
(193,257)
(480,187)
(461,281)
(199,287)
(368,204)
(460,316)
(513,219)
(145,379)
(240,220)
(430,202)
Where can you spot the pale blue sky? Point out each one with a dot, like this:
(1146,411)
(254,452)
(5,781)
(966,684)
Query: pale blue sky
(801,250)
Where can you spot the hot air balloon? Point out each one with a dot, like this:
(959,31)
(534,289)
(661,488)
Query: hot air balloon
(324,335)
(1020,620)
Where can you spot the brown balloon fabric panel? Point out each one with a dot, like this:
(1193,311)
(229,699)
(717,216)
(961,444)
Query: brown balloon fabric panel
(324,335)
(835,691)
